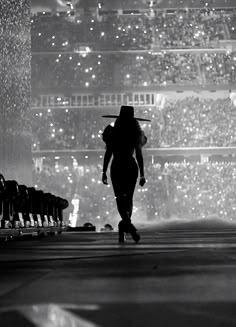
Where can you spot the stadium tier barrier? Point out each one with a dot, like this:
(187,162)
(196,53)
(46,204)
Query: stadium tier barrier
(25,210)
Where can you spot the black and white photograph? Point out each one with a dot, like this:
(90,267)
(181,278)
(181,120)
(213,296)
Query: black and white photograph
(117,163)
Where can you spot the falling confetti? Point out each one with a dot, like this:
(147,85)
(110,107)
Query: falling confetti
(14,64)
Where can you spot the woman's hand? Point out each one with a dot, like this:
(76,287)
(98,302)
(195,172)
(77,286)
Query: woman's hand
(104,178)
(142,181)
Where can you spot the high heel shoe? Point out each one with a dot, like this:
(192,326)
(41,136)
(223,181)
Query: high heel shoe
(135,236)
(121,238)
(121,232)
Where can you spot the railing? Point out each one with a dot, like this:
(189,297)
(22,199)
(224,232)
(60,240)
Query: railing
(93,101)
(158,152)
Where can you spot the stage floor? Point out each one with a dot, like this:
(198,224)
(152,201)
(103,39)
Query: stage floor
(183,276)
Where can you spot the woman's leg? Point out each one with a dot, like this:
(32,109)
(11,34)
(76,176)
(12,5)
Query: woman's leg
(124,186)
(124,191)
(122,206)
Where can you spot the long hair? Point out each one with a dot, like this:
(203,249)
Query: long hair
(126,134)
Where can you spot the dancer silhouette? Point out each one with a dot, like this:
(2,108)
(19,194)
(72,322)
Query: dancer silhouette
(124,140)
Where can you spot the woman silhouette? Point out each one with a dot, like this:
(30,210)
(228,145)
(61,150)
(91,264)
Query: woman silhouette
(122,141)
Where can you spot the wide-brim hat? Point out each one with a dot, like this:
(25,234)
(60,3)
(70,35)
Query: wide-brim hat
(126,112)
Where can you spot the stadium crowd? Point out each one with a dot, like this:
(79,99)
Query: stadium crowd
(179,190)
(218,68)
(91,71)
(112,33)
(180,29)
(190,122)
(189,29)
(231,23)
(72,71)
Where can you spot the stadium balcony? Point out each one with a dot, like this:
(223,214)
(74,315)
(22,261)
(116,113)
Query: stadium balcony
(168,4)
(185,121)
(80,72)
(184,29)
(179,187)
(132,72)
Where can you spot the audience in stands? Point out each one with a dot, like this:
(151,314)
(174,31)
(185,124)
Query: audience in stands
(181,190)
(96,71)
(231,25)
(191,122)
(218,68)
(177,190)
(189,29)
(180,29)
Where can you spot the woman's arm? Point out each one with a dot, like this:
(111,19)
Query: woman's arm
(139,157)
(106,160)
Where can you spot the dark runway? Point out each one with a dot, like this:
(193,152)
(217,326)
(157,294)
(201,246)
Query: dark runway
(182,277)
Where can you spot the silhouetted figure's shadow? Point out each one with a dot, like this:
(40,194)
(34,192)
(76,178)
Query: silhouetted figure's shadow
(123,141)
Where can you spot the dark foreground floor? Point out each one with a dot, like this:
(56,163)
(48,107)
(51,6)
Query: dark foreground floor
(178,277)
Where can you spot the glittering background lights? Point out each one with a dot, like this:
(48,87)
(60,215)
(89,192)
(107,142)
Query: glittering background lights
(15,65)
(61,65)
(180,190)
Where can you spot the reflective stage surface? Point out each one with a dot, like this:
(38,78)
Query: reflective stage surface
(178,276)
